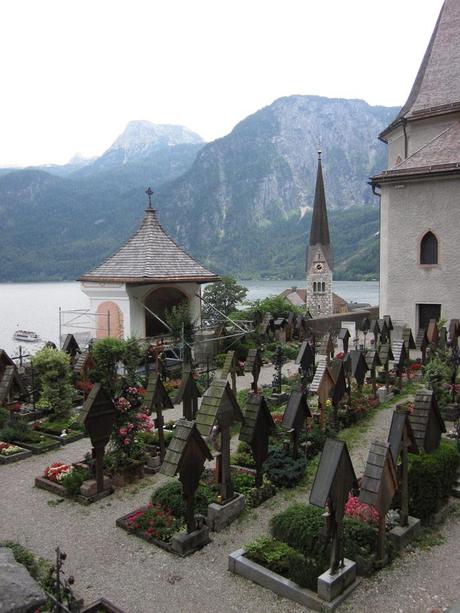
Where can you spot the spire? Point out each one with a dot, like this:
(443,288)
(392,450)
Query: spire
(436,88)
(319,231)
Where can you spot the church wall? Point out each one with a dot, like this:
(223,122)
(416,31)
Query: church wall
(98,293)
(408,211)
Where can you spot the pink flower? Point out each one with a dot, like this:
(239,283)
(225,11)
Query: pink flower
(123,431)
(126,441)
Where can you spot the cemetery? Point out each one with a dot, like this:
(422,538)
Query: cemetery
(278,461)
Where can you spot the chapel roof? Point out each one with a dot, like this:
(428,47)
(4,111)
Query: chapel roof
(436,89)
(150,256)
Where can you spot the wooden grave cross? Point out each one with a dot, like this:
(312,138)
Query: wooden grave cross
(219,411)
(253,365)
(334,479)
(157,399)
(426,421)
(358,367)
(378,486)
(402,442)
(255,431)
(322,385)
(186,455)
(188,393)
(229,368)
(98,417)
(295,418)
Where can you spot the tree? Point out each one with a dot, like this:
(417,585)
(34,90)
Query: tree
(53,372)
(106,353)
(278,306)
(179,319)
(133,352)
(224,297)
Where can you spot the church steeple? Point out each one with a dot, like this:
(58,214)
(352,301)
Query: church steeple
(319,254)
(319,232)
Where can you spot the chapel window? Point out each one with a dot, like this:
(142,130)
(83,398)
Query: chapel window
(429,249)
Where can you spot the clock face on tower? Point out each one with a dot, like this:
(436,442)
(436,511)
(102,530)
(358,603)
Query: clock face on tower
(318,267)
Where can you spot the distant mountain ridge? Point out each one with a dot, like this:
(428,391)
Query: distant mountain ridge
(239,204)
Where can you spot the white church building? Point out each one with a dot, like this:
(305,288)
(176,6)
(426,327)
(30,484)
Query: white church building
(133,288)
(420,191)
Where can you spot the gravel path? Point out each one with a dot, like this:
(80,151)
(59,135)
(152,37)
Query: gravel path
(141,578)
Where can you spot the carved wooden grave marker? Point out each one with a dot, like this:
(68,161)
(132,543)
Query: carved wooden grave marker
(306,360)
(399,357)
(334,479)
(70,346)
(253,365)
(402,442)
(188,393)
(344,336)
(432,333)
(229,368)
(186,455)
(388,326)
(372,361)
(385,355)
(358,367)
(326,348)
(426,421)
(98,417)
(157,399)
(12,386)
(255,431)
(379,485)
(337,370)
(295,418)
(219,407)
(454,332)
(374,329)
(421,343)
(322,385)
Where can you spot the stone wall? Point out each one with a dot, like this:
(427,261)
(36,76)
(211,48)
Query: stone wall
(332,323)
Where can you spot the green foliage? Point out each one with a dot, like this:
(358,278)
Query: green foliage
(431,476)
(169,496)
(39,569)
(132,354)
(4,416)
(179,319)
(151,437)
(281,468)
(19,431)
(56,427)
(224,296)
(359,539)
(278,306)
(273,554)
(154,522)
(54,375)
(74,480)
(244,483)
(437,375)
(107,352)
(299,526)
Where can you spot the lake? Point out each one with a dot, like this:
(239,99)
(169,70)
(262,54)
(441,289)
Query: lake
(35,306)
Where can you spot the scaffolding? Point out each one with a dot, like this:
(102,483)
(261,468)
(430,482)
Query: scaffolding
(83,324)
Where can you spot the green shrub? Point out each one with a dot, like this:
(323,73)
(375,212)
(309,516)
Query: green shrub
(273,554)
(18,431)
(243,456)
(359,538)
(74,480)
(299,526)
(54,380)
(431,476)
(282,469)
(220,359)
(244,483)
(4,416)
(169,496)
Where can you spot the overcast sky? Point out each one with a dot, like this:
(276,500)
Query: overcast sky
(74,72)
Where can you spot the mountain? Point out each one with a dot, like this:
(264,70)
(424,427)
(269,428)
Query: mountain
(240,204)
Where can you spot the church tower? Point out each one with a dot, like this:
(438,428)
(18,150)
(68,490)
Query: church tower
(319,254)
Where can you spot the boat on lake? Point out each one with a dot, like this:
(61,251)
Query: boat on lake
(27,336)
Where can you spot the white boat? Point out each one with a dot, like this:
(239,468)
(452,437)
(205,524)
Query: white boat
(26,335)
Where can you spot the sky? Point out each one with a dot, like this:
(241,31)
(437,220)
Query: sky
(75,72)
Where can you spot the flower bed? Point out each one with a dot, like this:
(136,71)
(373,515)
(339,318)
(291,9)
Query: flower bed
(12,453)
(20,434)
(67,480)
(153,523)
(67,431)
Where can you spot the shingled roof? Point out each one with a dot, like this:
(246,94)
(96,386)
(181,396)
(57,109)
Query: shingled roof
(150,256)
(436,89)
(185,434)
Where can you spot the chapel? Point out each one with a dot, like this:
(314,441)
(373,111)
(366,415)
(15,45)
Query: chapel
(132,289)
(420,190)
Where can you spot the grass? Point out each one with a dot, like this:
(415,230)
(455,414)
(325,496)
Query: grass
(352,435)
(427,539)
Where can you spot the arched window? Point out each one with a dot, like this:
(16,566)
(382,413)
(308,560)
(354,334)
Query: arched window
(323,287)
(429,249)
(314,286)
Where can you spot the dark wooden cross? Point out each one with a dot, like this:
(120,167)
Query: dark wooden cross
(402,441)
(295,418)
(255,431)
(188,393)
(98,417)
(334,479)
(186,455)
(156,399)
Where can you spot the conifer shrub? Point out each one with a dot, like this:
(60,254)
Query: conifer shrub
(282,469)
(431,477)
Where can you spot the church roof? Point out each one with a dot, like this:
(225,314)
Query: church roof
(150,255)
(319,231)
(436,89)
(439,155)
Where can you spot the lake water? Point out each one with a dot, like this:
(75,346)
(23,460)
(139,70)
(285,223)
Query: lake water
(35,306)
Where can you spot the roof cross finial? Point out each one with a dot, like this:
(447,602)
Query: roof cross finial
(149,192)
